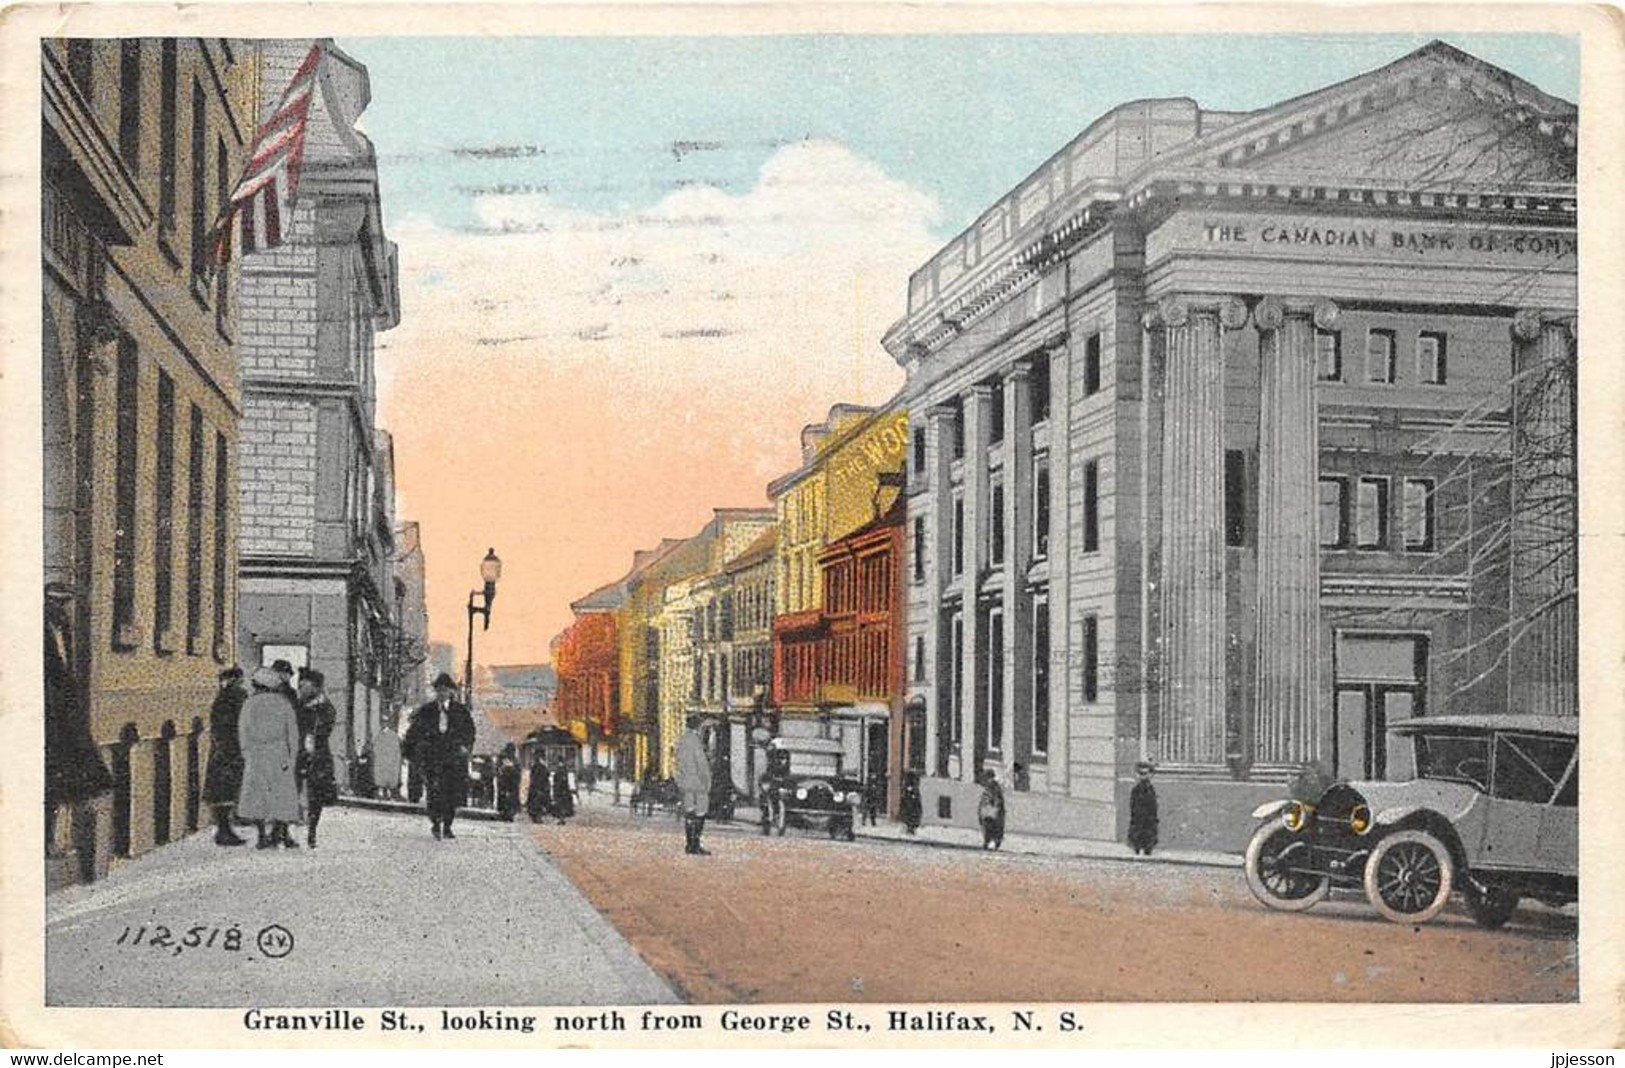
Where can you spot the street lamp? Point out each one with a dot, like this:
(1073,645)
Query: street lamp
(490,571)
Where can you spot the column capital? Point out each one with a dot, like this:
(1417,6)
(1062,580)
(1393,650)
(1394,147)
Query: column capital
(1018,372)
(1176,309)
(1271,312)
(981,391)
(942,413)
(1527,323)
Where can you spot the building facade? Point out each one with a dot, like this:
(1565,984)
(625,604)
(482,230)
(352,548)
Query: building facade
(317,582)
(1225,447)
(410,666)
(586,662)
(141,141)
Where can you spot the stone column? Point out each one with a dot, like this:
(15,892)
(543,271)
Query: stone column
(1544,661)
(974,745)
(1017,450)
(1191,709)
(1286,726)
(941,425)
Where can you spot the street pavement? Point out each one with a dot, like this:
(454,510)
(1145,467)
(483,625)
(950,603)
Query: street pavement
(381,914)
(803,918)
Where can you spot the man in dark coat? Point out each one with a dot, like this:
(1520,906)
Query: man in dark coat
(438,740)
(317,718)
(564,805)
(1142,812)
(539,798)
(224,775)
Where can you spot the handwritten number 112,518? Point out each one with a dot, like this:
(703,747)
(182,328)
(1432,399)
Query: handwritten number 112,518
(200,936)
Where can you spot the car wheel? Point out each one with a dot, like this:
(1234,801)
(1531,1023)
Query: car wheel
(1491,907)
(781,816)
(1408,876)
(1276,884)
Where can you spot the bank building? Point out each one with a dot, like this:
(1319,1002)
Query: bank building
(1236,437)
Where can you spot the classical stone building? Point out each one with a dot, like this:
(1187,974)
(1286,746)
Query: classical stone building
(141,142)
(317,501)
(1237,436)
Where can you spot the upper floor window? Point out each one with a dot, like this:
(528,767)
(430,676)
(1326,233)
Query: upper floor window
(919,450)
(919,548)
(995,414)
(1038,387)
(1329,355)
(996,526)
(1334,513)
(958,432)
(959,535)
(129,103)
(1373,513)
(1041,520)
(1091,365)
(81,64)
(200,183)
(1235,497)
(1379,356)
(1418,514)
(1091,506)
(1430,358)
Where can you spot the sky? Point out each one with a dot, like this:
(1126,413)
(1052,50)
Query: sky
(633,268)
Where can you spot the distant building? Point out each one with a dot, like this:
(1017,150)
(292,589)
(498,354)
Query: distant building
(141,142)
(317,581)
(410,669)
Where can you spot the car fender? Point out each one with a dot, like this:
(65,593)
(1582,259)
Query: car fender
(1271,808)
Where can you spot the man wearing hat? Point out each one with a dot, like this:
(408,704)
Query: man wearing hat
(693,785)
(317,718)
(223,777)
(439,739)
(1142,812)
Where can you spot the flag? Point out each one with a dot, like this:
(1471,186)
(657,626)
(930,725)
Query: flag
(263,197)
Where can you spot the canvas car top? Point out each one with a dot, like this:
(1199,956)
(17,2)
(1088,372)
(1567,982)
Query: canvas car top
(1568,726)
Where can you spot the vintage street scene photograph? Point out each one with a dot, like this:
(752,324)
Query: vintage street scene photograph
(806,518)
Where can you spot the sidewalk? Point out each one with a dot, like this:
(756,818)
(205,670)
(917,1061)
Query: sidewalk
(380,914)
(747,821)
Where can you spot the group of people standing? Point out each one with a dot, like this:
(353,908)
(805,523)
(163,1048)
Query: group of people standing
(270,756)
(549,795)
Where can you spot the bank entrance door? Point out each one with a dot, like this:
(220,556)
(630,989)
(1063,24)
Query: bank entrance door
(1381,679)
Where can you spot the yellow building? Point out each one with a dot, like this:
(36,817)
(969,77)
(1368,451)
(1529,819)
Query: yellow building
(143,140)
(850,475)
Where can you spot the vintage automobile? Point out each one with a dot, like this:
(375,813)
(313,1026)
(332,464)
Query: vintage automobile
(1492,812)
(805,787)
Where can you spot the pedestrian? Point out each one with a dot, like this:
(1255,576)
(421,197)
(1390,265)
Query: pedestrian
(1142,812)
(539,797)
(317,717)
(74,772)
(285,673)
(874,794)
(268,734)
(990,810)
(508,782)
(911,808)
(386,761)
(223,777)
(693,785)
(439,739)
(563,800)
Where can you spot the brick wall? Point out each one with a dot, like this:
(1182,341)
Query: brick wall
(278,477)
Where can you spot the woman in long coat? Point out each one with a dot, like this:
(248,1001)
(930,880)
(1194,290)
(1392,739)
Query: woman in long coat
(539,797)
(224,776)
(268,731)
(564,805)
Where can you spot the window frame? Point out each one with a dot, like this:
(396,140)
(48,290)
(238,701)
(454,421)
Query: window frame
(1429,515)
(1040,675)
(1336,337)
(1441,361)
(1391,370)
(1344,513)
(1091,506)
(1383,486)
(1043,506)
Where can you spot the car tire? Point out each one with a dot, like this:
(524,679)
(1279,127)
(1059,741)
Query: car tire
(1283,891)
(1408,876)
(1491,907)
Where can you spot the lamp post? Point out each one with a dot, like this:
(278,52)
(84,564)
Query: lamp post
(490,571)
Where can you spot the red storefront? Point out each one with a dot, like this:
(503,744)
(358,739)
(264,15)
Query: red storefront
(587,660)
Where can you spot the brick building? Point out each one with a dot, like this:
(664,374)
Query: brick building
(141,141)
(317,582)
(1138,380)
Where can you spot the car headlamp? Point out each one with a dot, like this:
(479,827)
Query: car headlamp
(1360,819)
(801,795)
(1296,815)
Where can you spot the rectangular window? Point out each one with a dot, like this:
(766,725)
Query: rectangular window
(958,421)
(1430,358)
(1379,356)
(1038,388)
(1091,659)
(996,526)
(1334,513)
(1091,365)
(128,419)
(168,90)
(1418,519)
(1041,507)
(919,450)
(1373,513)
(129,103)
(200,177)
(222,193)
(1040,676)
(919,658)
(959,535)
(81,61)
(1091,506)
(222,486)
(194,532)
(995,415)
(919,548)
(956,717)
(1235,497)
(163,517)
(1329,355)
(995,679)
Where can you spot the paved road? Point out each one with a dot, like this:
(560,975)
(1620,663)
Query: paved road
(804,919)
(364,912)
